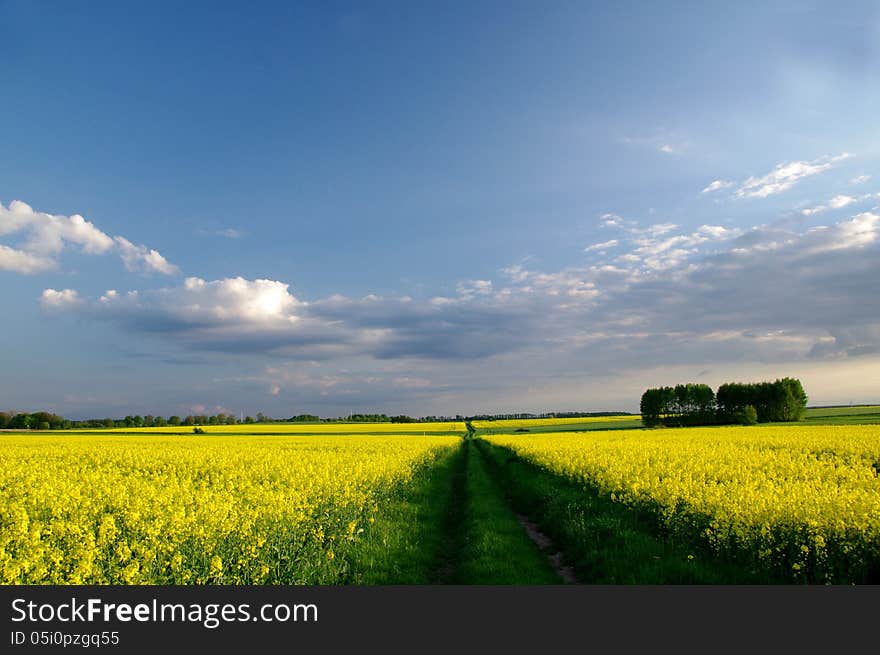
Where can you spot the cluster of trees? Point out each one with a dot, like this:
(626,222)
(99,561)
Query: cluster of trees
(34,421)
(362,418)
(782,400)
(697,404)
(304,418)
(683,404)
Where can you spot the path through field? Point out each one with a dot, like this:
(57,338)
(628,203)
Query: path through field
(488,542)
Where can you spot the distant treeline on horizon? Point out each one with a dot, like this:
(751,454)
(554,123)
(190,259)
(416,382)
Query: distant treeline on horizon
(50,421)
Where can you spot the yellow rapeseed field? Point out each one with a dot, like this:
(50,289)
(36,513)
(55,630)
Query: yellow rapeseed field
(87,509)
(803,501)
(539,422)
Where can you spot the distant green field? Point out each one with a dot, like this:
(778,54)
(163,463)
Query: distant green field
(852,415)
(554,425)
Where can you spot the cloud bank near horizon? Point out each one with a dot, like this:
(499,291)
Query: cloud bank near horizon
(656,294)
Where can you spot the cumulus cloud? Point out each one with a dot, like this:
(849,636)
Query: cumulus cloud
(59,300)
(20,261)
(44,236)
(785,176)
(143,259)
(226,315)
(860,179)
(199,303)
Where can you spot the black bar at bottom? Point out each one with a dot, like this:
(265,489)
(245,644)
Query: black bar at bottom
(459,618)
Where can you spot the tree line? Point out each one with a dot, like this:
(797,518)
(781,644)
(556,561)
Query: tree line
(526,415)
(33,421)
(49,421)
(734,402)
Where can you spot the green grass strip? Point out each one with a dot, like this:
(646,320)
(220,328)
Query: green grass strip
(494,546)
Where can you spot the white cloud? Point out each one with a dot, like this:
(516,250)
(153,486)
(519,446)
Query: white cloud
(58,300)
(473,288)
(232,314)
(785,176)
(613,220)
(860,179)
(46,235)
(630,226)
(655,230)
(717,185)
(857,232)
(19,261)
(665,141)
(143,259)
(231,300)
(837,202)
(602,246)
(717,231)
(656,253)
(516,273)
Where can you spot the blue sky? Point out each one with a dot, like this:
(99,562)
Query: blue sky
(473,207)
